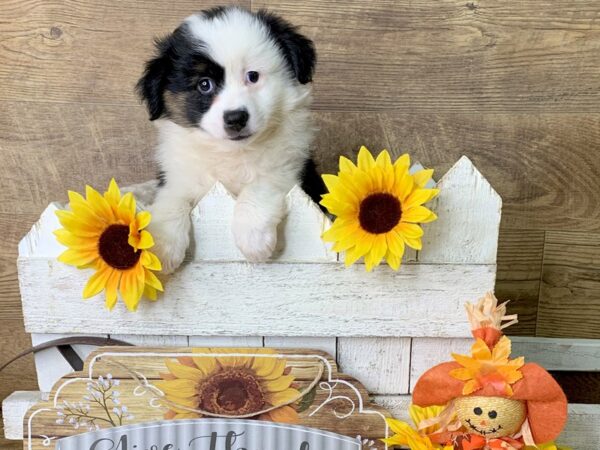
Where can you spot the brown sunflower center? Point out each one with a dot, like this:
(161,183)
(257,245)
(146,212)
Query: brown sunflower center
(114,248)
(231,392)
(379,213)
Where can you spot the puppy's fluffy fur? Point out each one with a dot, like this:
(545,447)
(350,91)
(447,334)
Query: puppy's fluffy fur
(230,92)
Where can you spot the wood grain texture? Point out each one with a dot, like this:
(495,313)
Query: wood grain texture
(326,344)
(468,223)
(50,364)
(82,51)
(581,432)
(14,408)
(428,352)
(518,274)
(382,364)
(440,79)
(225,341)
(329,393)
(559,354)
(570,291)
(544,166)
(320,299)
(451,56)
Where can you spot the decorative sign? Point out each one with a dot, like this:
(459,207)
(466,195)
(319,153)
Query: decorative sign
(209,434)
(134,398)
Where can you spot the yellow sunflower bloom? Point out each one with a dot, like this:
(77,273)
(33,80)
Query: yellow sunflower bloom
(105,233)
(378,207)
(239,386)
(408,436)
(486,366)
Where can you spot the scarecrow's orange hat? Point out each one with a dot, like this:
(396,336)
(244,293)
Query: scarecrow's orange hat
(545,400)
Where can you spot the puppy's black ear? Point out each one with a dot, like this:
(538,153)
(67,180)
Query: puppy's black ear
(154,81)
(298,50)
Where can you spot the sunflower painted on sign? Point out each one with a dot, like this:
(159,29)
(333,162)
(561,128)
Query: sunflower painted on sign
(378,207)
(235,386)
(105,233)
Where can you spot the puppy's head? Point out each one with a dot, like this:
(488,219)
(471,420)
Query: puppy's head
(228,73)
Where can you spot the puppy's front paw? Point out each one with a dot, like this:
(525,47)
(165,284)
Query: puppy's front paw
(255,238)
(169,246)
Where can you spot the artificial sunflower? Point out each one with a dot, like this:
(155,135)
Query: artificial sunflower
(415,439)
(104,232)
(378,206)
(240,386)
(487,366)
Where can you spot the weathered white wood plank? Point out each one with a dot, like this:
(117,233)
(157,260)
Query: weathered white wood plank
(581,433)
(427,352)
(225,341)
(50,364)
(265,299)
(211,227)
(559,354)
(40,242)
(299,237)
(553,354)
(299,234)
(327,344)
(468,222)
(381,364)
(152,340)
(14,408)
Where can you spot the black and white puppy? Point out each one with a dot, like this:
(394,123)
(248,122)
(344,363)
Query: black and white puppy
(230,92)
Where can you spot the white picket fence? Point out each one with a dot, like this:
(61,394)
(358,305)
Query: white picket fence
(385,328)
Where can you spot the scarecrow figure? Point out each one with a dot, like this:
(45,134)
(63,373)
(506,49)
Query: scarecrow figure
(486,400)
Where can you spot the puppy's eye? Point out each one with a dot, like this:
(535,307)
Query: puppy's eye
(478,411)
(252,76)
(206,85)
(493,414)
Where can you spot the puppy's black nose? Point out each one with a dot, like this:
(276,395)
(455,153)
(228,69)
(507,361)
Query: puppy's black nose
(236,119)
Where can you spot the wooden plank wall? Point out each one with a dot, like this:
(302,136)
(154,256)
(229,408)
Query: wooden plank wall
(513,85)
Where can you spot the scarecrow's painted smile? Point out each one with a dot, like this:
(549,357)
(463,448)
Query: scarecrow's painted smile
(483,432)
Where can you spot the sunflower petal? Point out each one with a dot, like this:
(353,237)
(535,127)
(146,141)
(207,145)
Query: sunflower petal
(279,384)
(143,219)
(206,364)
(98,203)
(78,258)
(393,260)
(183,371)
(285,414)
(130,290)
(113,194)
(150,260)
(126,208)
(111,289)
(179,388)
(346,165)
(152,280)
(418,214)
(365,159)
(418,197)
(378,251)
(97,282)
(283,397)
(422,177)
